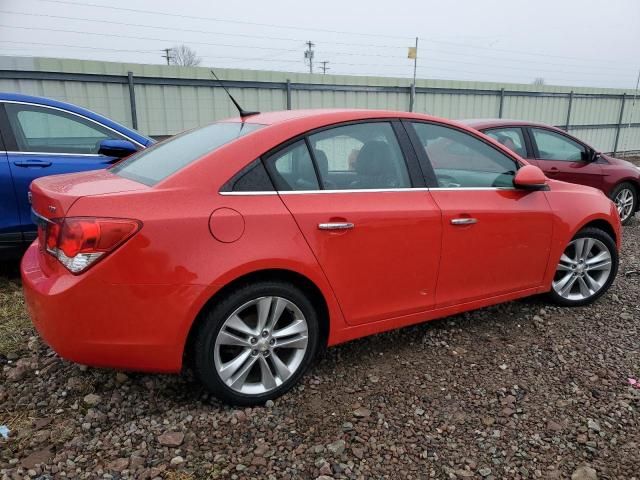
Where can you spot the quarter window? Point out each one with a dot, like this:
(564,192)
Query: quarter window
(511,138)
(554,146)
(461,160)
(360,156)
(40,129)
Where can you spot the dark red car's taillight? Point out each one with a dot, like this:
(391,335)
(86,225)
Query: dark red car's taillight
(78,242)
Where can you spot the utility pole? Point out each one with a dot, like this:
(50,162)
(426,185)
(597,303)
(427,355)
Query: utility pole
(415,63)
(167,54)
(324,67)
(308,54)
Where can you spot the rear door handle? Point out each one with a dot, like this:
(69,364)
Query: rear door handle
(464,221)
(336,226)
(32,163)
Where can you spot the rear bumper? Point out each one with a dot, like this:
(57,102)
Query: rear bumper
(96,323)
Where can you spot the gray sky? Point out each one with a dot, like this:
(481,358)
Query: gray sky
(566,42)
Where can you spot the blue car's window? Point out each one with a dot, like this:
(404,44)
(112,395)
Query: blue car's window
(49,130)
(158,162)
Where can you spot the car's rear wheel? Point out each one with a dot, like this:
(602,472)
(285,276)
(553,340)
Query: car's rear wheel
(586,269)
(256,343)
(625,196)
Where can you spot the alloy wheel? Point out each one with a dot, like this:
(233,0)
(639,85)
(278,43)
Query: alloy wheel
(261,345)
(624,203)
(583,270)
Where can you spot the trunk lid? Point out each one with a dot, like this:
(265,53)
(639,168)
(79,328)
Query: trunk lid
(52,197)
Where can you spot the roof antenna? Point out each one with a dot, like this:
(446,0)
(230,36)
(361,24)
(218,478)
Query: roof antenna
(243,113)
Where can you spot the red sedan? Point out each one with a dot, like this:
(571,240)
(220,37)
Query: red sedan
(244,247)
(564,157)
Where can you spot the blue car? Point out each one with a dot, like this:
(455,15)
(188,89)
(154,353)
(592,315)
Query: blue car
(40,136)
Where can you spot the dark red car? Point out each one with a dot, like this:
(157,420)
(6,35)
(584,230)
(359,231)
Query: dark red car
(563,157)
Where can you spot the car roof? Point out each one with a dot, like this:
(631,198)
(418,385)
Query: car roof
(483,123)
(328,116)
(18,97)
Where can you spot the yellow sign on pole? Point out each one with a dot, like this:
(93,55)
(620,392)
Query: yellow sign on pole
(413,52)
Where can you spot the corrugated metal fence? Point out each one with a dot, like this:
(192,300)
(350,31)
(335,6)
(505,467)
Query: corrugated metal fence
(164,100)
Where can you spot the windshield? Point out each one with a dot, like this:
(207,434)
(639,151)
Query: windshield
(156,163)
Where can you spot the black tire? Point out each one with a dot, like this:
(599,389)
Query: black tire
(634,191)
(610,244)
(211,324)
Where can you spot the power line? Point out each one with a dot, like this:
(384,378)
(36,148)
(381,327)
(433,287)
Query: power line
(306,29)
(213,19)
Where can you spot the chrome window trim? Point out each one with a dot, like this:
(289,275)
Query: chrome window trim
(11,152)
(77,115)
(364,190)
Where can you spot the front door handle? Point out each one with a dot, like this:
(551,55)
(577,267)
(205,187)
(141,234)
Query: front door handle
(32,163)
(336,226)
(464,221)
(553,171)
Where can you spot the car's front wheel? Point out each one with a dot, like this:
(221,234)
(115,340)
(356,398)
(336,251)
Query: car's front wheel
(586,269)
(256,343)
(625,196)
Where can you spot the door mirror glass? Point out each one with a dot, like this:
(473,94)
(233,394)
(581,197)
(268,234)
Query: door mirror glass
(116,148)
(530,177)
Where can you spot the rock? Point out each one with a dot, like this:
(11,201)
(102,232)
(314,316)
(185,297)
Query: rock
(17,373)
(121,377)
(92,399)
(36,458)
(358,452)
(136,462)
(626,316)
(118,464)
(584,473)
(554,426)
(325,469)
(485,472)
(324,477)
(177,460)
(269,404)
(361,412)
(593,425)
(171,439)
(347,426)
(419,412)
(337,447)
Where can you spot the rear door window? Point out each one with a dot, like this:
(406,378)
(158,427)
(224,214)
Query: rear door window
(360,156)
(156,163)
(510,137)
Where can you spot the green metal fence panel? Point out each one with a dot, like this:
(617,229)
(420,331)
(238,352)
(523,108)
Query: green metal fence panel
(170,99)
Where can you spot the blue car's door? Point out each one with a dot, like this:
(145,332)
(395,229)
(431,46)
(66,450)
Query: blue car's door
(48,141)
(10,232)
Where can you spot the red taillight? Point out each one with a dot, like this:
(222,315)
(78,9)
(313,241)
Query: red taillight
(77,242)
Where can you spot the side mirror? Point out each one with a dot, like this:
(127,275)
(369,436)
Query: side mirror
(116,148)
(530,177)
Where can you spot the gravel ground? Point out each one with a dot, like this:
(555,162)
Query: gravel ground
(521,390)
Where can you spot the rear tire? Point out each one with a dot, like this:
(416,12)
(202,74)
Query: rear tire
(625,196)
(586,269)
(256,343)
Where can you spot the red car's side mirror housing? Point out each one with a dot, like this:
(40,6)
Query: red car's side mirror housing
(530,177)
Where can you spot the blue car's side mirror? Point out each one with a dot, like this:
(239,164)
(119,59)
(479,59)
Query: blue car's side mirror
(116,148)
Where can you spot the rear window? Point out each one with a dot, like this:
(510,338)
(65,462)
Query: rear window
(156,163)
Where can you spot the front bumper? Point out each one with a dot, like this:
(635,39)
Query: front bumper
(97,323)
